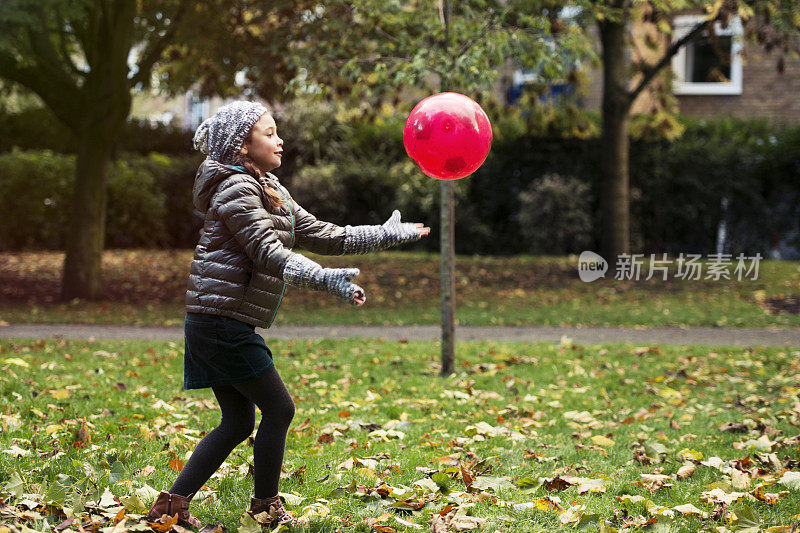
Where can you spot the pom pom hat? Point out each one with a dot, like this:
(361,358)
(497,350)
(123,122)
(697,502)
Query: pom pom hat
(222,135)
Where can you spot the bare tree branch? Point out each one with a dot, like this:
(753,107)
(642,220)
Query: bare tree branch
(667,57)
(54,93)
(62,44)
(481,32)
(156,48)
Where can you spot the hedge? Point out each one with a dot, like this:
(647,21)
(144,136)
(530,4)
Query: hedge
(534,194)
(149,200)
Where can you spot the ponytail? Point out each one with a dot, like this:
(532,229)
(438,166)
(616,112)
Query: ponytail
(274,198)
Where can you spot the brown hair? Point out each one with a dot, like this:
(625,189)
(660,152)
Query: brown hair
(274,198)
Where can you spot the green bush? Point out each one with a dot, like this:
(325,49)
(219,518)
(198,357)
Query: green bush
(677,183)
(136,212)
(554,216)
(681,186)
(349,166)
(147,200)
(37,128)
(35,192)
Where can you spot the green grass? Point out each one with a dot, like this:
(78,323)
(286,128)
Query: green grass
(553,402)
(147,287)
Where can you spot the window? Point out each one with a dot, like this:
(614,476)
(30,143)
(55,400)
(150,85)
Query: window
(198,111)
(708,64)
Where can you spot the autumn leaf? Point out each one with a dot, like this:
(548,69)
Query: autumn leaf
(83,435)
(770,497)
(556,484)
(628,499)
(720,496)
(466,476)
(690,455)
(655,481)
(733,427)
(689,509)
(571,515)
(791,480)
(602,440)
(592,485)
(491,483)
(686,471)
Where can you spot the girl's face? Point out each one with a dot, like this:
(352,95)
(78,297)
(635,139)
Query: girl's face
(264,147)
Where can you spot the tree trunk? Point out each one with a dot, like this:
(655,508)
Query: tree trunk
(87,223)
(614,192)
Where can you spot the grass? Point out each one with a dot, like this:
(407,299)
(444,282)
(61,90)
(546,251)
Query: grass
(147,287)
(79,418)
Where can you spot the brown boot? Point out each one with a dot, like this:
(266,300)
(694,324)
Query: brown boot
(273,507)
(172,504)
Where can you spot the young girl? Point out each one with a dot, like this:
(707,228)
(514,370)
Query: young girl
(240,270)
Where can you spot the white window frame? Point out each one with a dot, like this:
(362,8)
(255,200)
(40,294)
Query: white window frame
(681,26)
(197,110)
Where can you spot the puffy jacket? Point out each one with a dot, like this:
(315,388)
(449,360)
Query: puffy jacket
(238,262)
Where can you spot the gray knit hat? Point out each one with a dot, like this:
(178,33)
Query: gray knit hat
(221,135)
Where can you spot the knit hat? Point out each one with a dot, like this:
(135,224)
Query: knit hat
(223,134)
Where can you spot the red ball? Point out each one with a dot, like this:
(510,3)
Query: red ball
(448,135)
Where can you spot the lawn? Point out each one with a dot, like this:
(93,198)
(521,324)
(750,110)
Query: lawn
(611,437)
(147,287)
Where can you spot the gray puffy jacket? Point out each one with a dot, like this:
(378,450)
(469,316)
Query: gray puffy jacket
(239,260)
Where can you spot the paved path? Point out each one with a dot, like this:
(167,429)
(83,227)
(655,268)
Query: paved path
(580,335)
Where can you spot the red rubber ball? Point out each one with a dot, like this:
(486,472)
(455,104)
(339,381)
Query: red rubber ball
(448,135)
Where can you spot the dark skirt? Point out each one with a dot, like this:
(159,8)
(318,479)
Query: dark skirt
(222,351)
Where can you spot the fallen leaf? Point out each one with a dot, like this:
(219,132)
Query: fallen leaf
(720,496)
(739,479)
(689,509)
(770,497)
(686,471)
(655,481)
(690,455)
(492,483)
(602,440)
(733,428)
(791,480)
(571,515)
(556,484)
(628,499)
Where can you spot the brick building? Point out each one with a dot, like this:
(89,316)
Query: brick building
(747,84)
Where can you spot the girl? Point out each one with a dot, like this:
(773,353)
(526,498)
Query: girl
(241,267)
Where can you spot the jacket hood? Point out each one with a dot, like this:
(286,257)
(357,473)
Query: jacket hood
(210,174)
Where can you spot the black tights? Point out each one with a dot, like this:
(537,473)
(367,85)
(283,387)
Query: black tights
(238,420)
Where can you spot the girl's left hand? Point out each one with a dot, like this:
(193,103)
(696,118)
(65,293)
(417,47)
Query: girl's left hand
(359,298)
(422,230)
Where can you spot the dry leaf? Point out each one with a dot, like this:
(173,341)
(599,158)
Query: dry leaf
(602,440)
(770,497)
(689,509)
(740,480)
(686,471)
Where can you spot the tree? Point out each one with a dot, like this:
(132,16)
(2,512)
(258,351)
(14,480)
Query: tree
(84,58)
(369,48)
(75,57)
(774,23)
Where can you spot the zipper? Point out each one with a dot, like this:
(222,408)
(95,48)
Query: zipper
(275,311)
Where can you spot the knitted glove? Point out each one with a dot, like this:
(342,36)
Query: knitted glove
(302,272)
(362,239)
